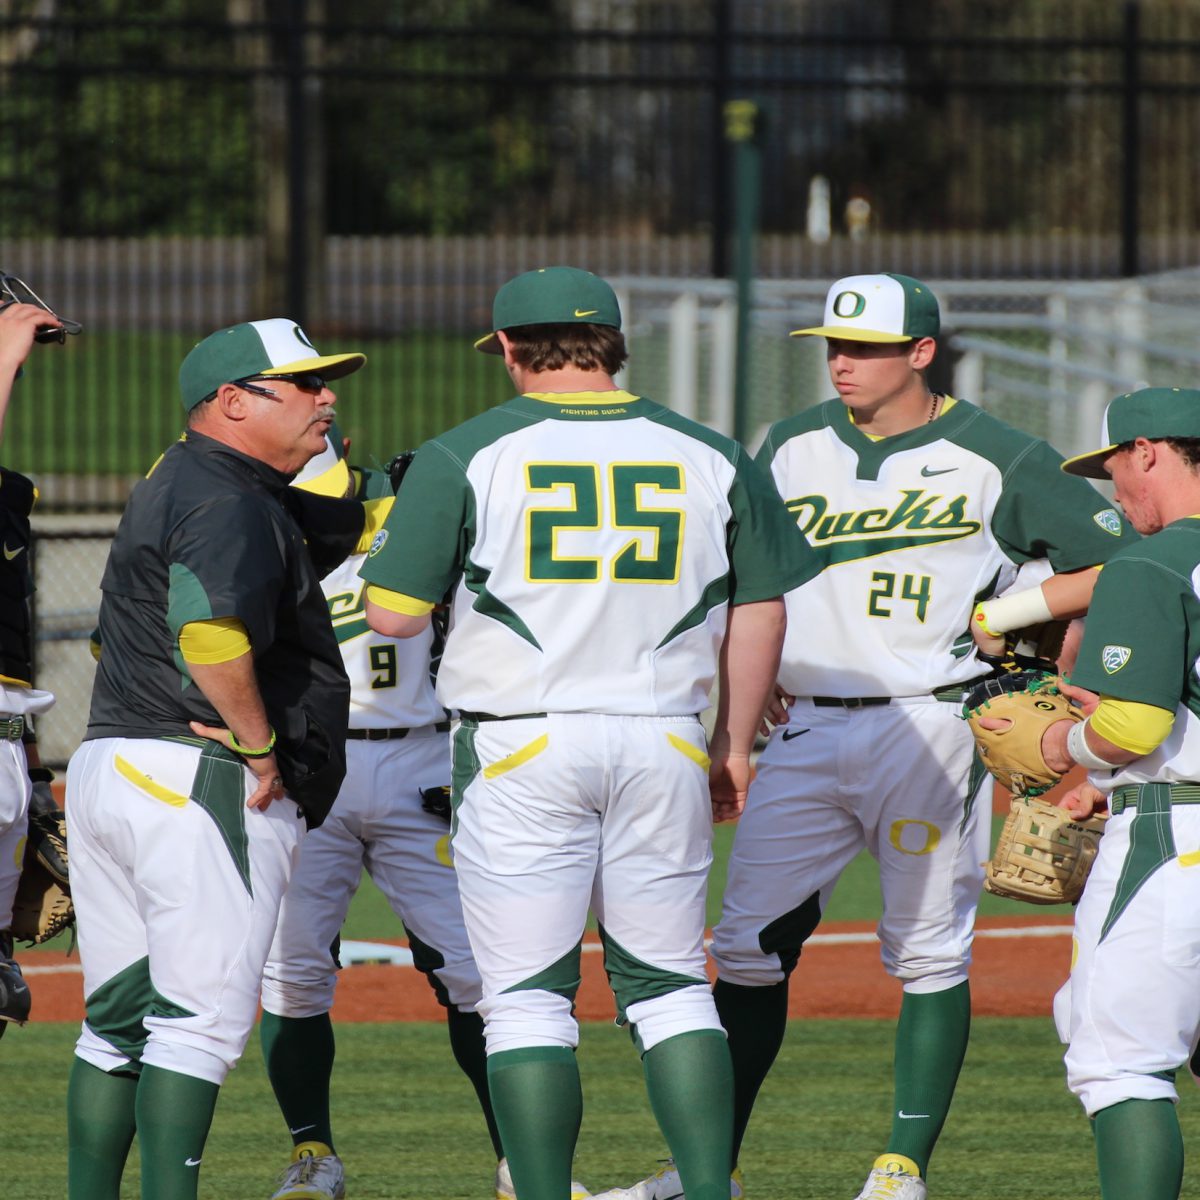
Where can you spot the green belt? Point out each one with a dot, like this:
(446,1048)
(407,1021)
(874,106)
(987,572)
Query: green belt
(11,729)
(1127,796)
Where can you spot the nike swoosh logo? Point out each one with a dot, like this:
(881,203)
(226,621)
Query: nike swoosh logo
(929,472)
(912,1116)
(301,1128)
(191,1162)
(591,312)
(788,734)
(11,554)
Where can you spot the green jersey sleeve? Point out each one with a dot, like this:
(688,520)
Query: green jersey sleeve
(767,552)
(1138,649)
(421,549)
(1044,513)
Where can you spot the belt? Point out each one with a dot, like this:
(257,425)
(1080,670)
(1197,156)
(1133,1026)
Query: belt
(952,693)
(481,717)
(11,729)
(1127,796)
(389,735)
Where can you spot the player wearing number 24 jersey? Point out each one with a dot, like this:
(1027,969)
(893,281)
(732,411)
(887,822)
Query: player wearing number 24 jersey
(602,554)
(919,507)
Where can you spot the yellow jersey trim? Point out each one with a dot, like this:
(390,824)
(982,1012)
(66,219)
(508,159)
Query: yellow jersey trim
(948,402)
(616,396)
(375,512)
(398,602)
(1138,728)
(220,640)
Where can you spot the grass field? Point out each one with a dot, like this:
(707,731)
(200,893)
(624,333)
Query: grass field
(407,1126)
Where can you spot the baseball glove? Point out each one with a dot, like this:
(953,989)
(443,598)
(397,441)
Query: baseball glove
(1029,701)
(42,907)
(1043,855)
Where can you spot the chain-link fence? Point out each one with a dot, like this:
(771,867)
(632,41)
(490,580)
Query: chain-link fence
(374,171)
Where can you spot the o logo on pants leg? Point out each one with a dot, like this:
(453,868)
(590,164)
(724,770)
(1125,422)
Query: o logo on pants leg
(906,834)
(442,851)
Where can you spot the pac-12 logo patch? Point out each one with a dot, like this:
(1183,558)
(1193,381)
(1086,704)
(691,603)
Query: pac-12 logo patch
(377,543)
(1113,658)
(1109,520)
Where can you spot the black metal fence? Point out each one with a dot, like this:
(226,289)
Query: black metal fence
(374,170)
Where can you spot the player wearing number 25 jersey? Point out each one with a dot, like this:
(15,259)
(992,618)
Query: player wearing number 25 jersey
(600,552)
(919,507)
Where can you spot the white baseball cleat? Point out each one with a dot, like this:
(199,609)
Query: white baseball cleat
(894,1177)
(665,1184)
(505,1190)
(316,1173)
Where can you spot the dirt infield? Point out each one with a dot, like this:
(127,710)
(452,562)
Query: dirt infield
(1018,966)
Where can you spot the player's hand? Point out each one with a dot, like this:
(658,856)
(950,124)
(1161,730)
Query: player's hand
(987,643)
(1083,801)
(1086,701)
(18,325)
(777,710)
(265,770)
(728,782)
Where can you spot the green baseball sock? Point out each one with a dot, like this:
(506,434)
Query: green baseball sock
(174,1112)
(298,1052)
(466,1040)
(931,1041)
(100,1128)
(755,1018)
(689,1079)
(539,1106)
(1139,1150)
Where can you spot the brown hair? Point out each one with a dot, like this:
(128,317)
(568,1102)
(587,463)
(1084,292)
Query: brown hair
(1187,448)
(553,347)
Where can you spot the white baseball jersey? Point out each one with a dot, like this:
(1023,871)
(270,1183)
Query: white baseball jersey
(591,573)
(912,531)
(391,683)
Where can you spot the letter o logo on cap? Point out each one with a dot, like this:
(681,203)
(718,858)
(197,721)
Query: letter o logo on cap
(849,304)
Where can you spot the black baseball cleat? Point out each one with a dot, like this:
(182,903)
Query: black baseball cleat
(15,1000)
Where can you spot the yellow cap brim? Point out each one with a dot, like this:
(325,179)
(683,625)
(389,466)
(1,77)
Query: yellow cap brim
(1090,465)
(331,366)
(334,482)
(489,344)
(851,335)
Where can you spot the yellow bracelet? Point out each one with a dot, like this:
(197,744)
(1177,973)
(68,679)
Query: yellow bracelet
(245,753)
(979,616)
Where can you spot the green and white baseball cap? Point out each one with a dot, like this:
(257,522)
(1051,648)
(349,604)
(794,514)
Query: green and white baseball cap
(551,296)
(878,308)
(274,347)
(1162,412)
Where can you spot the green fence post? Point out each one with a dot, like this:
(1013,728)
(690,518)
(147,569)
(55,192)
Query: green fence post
(743,127)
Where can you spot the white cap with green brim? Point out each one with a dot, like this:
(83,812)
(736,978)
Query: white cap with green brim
(1153,413)
(878,308)
(273,347)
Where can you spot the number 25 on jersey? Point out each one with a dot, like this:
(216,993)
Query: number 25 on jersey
(592,503)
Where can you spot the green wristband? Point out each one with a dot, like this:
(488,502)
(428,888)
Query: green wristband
(247,753)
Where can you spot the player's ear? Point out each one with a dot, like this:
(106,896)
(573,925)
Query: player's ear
(231,400)
(922,352)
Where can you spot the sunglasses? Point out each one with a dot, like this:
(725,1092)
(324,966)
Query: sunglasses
(307,381)
(17,291)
